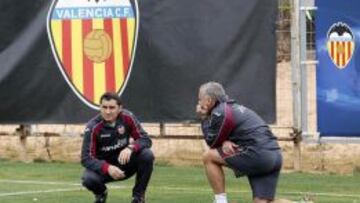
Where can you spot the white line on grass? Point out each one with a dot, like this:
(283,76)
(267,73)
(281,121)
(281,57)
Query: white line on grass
(39,191)
(35,182)
(193,190)
(188,189)
(321,194)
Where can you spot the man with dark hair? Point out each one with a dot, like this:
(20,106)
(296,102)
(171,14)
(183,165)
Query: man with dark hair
(239,139)
(115,147)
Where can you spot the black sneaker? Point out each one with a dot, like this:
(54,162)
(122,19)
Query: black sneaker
(138,200)
(101,198)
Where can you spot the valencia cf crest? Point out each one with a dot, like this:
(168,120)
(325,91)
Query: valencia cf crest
(94,44)
(341,44)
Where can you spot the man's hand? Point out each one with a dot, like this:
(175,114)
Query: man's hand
(115,172)
(201,112)
(229,147)
(131,141)
(124,156)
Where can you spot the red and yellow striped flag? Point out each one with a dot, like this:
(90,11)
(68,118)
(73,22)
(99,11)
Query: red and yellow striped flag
(340,52)
(93,42)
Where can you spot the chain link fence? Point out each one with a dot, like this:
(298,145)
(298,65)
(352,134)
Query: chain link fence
(283,30)
(284,78)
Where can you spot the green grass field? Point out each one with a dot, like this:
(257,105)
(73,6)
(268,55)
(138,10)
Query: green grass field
(59,182)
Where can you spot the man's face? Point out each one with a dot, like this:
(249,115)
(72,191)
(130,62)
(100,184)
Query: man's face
(205,102)
(109,110)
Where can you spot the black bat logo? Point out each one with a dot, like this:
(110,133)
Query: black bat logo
(340,28)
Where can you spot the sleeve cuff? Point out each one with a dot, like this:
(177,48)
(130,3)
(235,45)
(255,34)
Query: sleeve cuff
(136,147)
(105,168)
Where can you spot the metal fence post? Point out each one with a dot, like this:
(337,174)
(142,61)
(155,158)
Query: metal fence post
(297,86)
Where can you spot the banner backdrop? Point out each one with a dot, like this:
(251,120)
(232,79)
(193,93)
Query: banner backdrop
(338,71)
(47,49)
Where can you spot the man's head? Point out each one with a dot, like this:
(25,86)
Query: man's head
(210,93)
(110,106)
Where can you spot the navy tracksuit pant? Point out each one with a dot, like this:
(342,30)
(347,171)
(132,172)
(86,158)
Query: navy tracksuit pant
(140,163)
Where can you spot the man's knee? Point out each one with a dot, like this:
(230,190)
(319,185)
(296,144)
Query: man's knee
(90,179)
(212,157)
(208,156)
(147,156)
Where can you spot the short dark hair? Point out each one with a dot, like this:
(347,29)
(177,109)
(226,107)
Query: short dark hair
(109,96)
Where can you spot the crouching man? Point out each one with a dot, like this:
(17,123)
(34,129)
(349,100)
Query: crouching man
(239,139)
(114,148)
